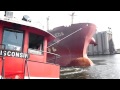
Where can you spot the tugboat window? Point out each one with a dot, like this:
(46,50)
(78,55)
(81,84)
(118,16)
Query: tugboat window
(13,39)
(35,44)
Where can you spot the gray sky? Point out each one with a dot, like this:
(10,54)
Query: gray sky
(102,19)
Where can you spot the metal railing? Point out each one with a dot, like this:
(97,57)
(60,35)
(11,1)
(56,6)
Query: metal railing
(3,47)
(56,56)
(26,62)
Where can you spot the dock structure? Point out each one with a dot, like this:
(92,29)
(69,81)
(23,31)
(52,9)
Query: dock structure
(105,44)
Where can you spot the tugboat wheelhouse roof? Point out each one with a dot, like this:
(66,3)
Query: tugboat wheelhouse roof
(29,24)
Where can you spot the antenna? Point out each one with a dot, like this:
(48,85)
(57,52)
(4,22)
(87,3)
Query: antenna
(72,17)
(48,22)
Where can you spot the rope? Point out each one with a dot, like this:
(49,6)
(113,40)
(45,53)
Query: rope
(65,37)
(27,69)
(2,72)
(26,65)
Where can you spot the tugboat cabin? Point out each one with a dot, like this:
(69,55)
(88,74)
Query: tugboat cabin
(23,51)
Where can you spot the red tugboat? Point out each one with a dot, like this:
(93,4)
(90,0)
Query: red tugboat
(71,44)
(23,51)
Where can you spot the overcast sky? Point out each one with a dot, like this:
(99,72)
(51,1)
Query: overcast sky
(102,19)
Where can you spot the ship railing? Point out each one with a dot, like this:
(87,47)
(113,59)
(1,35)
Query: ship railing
(54,54)
(55,58)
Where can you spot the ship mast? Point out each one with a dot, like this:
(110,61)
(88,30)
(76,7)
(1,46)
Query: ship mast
(72,17)
(47,23)
(5,13)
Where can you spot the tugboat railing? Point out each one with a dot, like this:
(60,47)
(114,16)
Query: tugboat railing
(26,62)
(3,47)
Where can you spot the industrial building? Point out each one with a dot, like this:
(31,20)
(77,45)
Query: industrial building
(105,44)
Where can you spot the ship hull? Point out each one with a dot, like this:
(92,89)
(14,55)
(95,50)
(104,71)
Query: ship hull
(72,44)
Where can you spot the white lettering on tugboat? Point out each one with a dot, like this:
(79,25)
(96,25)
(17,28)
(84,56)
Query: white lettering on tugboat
(13,54)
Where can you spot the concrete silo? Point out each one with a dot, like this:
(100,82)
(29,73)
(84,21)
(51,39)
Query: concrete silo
(95,49)
(105,42)
(90,49)
(99,46)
